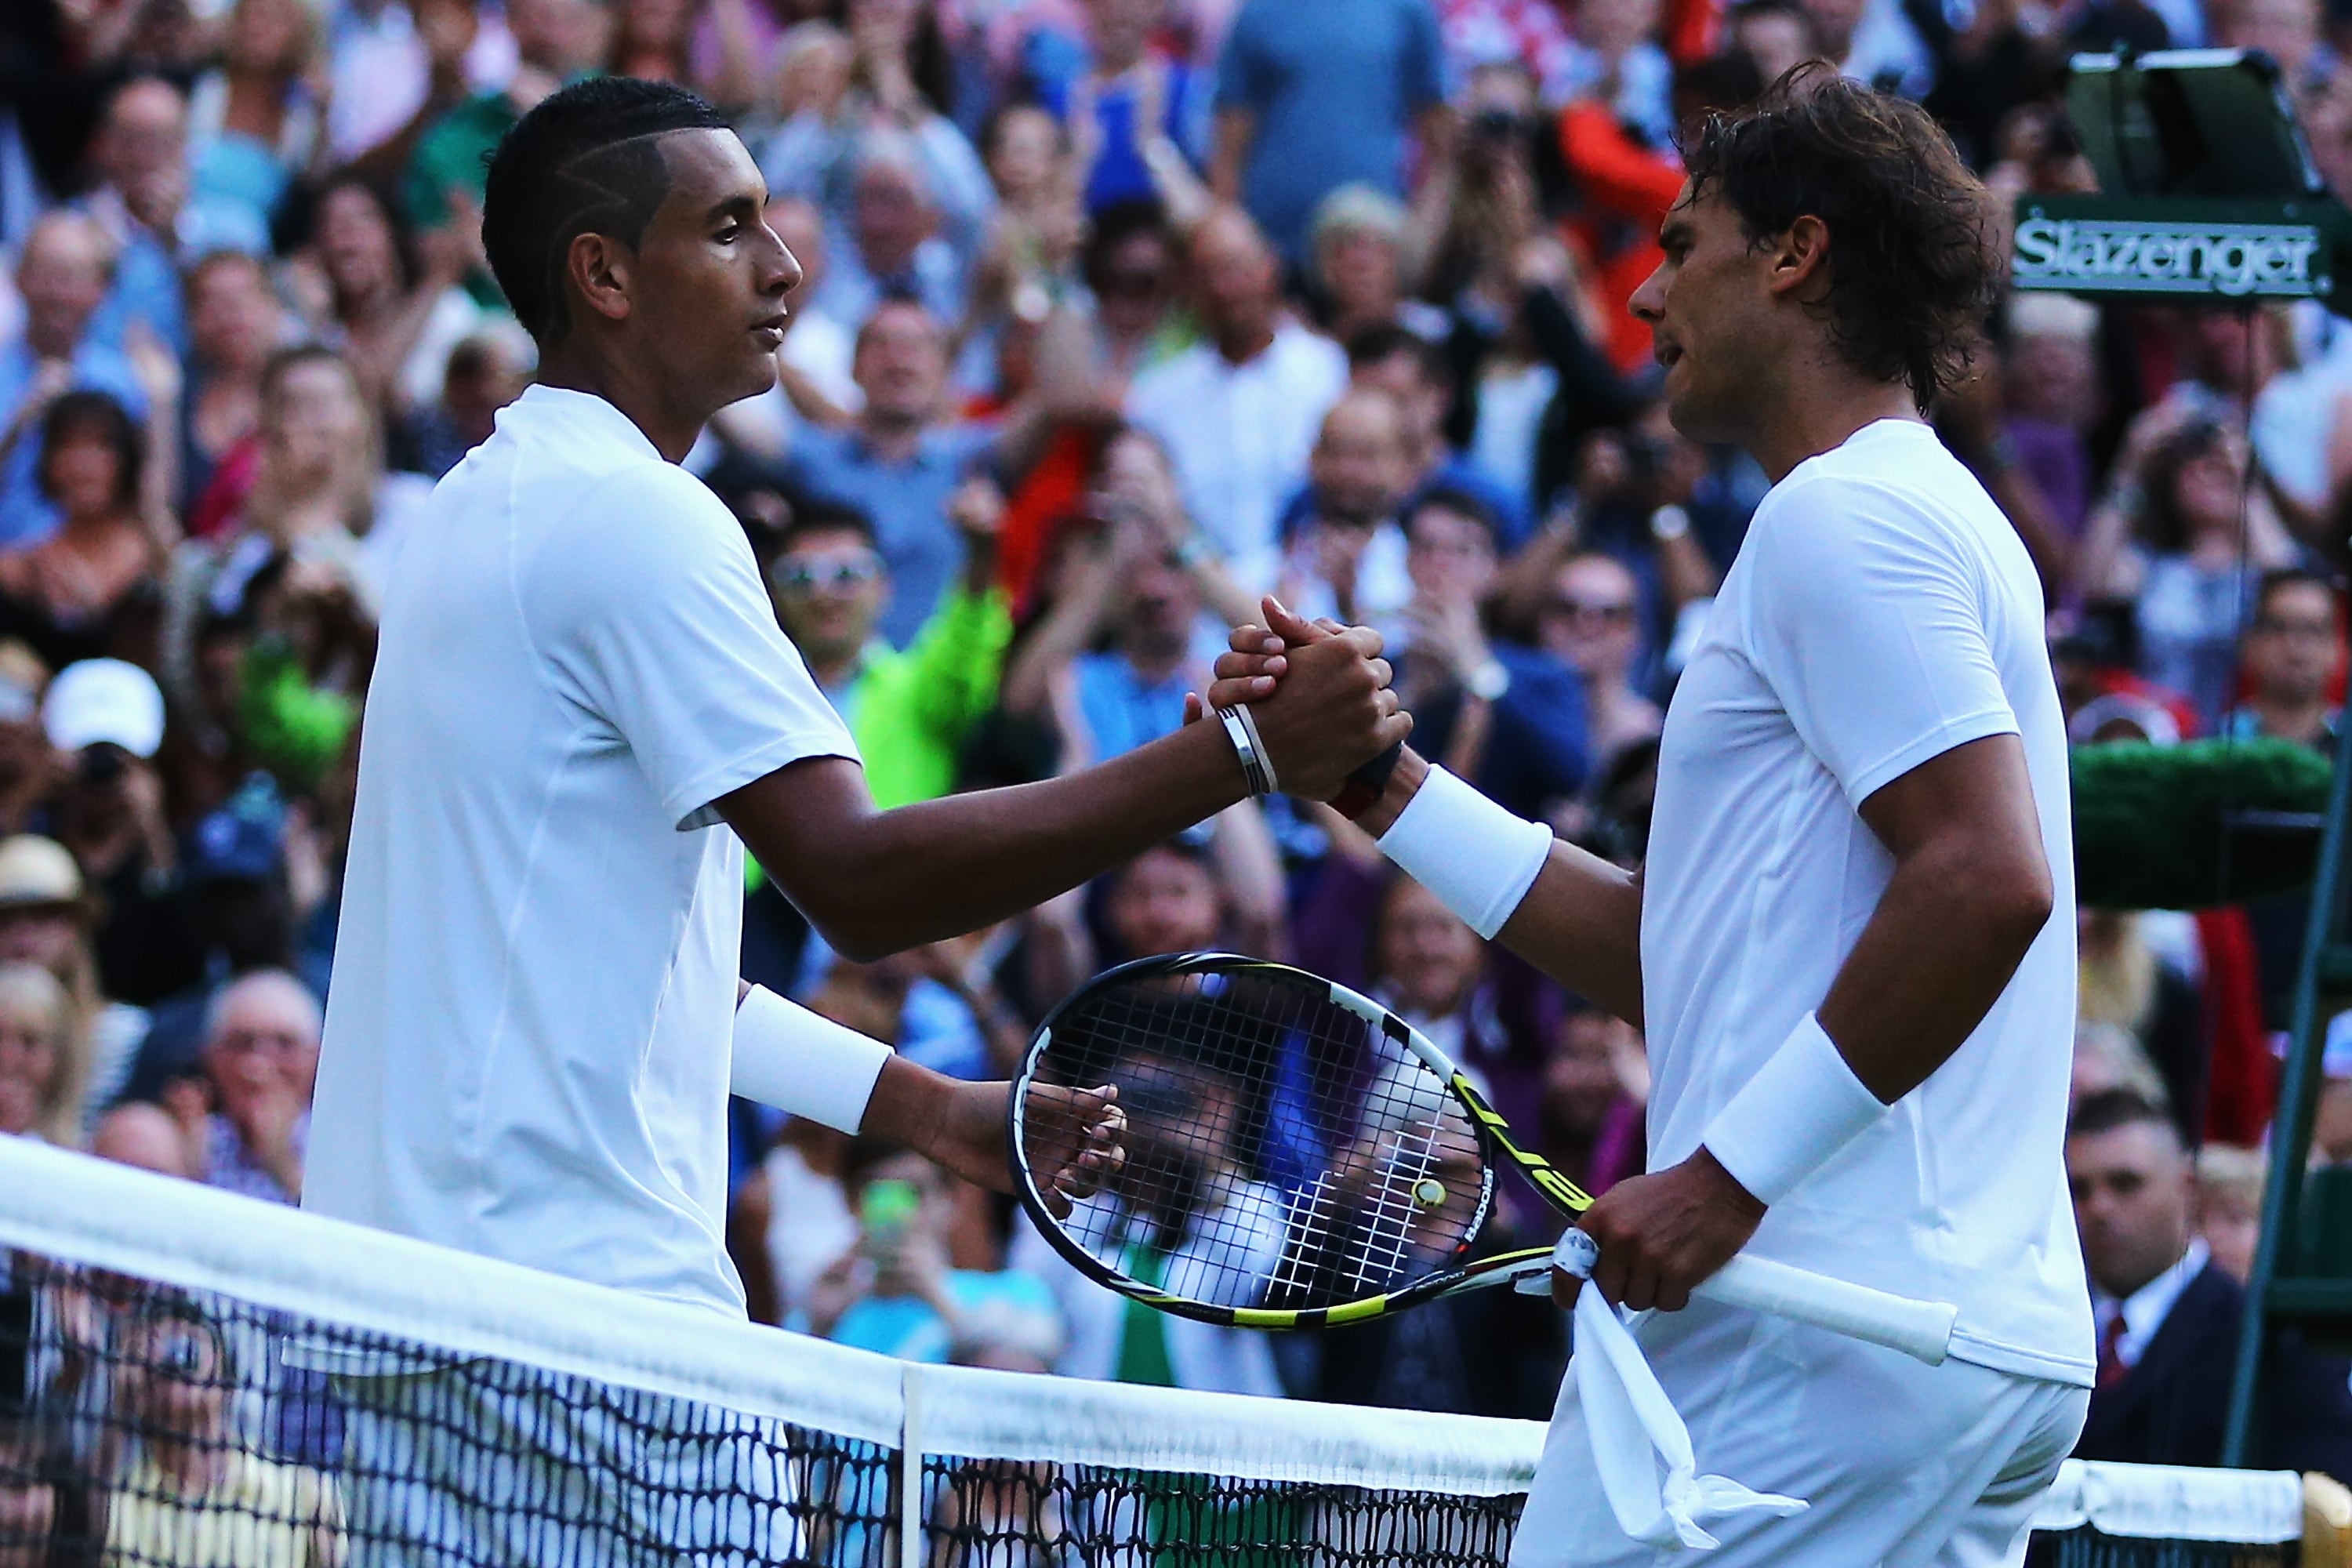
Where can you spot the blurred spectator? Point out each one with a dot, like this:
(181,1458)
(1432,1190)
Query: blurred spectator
(1502,715)
(910,711)
(2109,1058)
(898,241)
(44,1059)
(2230,1205)
(1365,257)
(2125,981)
(398,65)
(1596,1088)
(1777,35)
(143,203)
(62,275)
(46,916)
(1615,59)
(65,596)
(1873,41)
(234,323)
(1311,98)
(651,39)
(901,460)
(46,1507)
(2168,1316)
(253,125)
(1129,109)
(2050,376)
(29,767)
(257,1065)
(794,1217)
(1592,624)
(1346,555)
(894,1290)
(190,1490)
(108,716)
(487,372)
(398,310)
(554,40)
(1418,374)
(2331,1126)
(2293,661)
(1238,411)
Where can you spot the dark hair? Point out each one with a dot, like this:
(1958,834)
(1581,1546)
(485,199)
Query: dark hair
(812,517)
(2280,578)
(1912,267)
(893,299)
(1460,502)
(2162,527)
(397,229)
(1116,223)
(2110,1109)
(1385,340)
(585,161)
(87,413)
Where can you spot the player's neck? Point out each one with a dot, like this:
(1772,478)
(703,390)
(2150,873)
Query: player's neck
(670,423)
(1816,410)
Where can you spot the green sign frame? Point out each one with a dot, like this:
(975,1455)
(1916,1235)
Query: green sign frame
(2193,251)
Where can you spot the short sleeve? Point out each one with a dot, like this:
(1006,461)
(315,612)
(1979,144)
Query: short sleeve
(651,605)
(1868,621)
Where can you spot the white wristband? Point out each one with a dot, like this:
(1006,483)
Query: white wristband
(800,1061)
(1479,859)
(1803,1105)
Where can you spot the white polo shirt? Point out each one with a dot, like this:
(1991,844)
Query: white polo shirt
(1882,611)
(529,1034)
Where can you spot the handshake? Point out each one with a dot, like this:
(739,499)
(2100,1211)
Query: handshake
(1313,704)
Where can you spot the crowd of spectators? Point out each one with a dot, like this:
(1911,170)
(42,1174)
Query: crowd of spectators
(1118,313)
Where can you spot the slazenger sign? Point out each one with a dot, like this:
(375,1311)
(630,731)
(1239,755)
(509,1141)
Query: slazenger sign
(2134,256)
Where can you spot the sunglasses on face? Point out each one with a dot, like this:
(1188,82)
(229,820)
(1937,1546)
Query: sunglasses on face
(808,576)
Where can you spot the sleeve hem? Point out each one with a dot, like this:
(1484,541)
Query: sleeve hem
(1945,737)
(694,803)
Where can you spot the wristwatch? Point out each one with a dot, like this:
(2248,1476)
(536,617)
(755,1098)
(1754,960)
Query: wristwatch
(1489,681)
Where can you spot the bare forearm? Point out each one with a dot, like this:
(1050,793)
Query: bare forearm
(1935,957)
(875,882)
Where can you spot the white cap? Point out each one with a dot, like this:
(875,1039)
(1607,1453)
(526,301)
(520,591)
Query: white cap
(104,700)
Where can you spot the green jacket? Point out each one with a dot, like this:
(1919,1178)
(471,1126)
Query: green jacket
(909,710)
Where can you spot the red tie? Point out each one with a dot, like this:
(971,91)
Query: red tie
(2111,1352)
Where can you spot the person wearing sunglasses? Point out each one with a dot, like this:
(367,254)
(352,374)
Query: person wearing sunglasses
(909,710)
(1591,622)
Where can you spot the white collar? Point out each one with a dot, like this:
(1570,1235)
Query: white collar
(573,417)
(2145,1310)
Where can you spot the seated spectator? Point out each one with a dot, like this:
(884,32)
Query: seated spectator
(190,1491)
(62,275)
(2135,974)
(254,126)
(143,200)
(1615,60)
(2168,1316)
(2230,1205)
(1506,717)
(29,767)
(910,711)
(2049,378)
(66,596)
(1238,411)
(1365,259)
(44,1059)
(260,1061)
(794,1217)
(1166,900)
(1596,1088)
(1345,556)
(901,461)
(898,241)
(46,917)
(1416,373)
(234,323)
(895,1291)
(1777,35)
(2292,657)
(396,309)
(487,371)
(107,716)
(1592,624)
(2109,1058)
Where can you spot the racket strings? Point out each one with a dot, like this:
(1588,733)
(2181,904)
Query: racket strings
(1281,1150)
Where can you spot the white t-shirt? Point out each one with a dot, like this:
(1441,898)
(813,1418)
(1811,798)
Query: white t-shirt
(527,1037)
(1882,611)
(1239,435)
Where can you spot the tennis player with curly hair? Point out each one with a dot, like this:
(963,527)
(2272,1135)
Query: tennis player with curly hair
(1849,948)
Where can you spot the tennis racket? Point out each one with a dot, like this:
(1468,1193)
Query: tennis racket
(1300,1156)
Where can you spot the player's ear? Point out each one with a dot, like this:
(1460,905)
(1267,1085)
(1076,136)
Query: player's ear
(1799,259)
(600,270)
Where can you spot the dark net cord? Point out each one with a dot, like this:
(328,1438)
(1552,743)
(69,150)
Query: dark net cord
(143,1425)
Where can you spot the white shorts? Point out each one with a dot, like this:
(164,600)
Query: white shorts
(1906,1465)
(474,1464)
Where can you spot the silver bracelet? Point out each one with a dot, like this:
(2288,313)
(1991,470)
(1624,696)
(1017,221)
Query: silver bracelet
(1243,735)
(1257,744)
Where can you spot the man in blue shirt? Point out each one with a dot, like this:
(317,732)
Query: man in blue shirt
(63,275)
(1312,97)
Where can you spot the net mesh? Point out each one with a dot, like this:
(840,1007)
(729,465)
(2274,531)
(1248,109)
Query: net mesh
(191,1379)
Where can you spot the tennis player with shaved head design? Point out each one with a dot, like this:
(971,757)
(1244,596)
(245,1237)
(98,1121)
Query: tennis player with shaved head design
(581,713)
(1852,946)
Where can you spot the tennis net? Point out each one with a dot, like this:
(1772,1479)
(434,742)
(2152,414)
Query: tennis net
(193,1379)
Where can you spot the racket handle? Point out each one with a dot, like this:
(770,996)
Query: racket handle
(1921,1330)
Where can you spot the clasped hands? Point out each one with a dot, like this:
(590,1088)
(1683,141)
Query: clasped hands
(1322,695)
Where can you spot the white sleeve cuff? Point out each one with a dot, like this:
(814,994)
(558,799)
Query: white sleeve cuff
(1803,1105)
(1479,859)
(799,1061)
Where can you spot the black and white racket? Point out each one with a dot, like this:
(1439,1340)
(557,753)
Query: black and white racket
(1297,1156)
